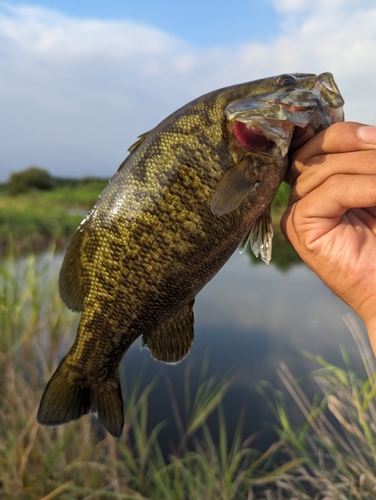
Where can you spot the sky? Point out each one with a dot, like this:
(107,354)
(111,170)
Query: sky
(80,80)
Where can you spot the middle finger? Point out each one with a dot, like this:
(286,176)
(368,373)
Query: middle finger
(322,167)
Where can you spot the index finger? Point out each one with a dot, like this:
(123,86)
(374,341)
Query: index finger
(343,137)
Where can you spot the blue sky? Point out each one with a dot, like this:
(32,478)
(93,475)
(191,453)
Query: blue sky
(204,23)
(79,81)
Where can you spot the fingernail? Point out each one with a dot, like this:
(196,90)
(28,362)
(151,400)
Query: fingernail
(367,134)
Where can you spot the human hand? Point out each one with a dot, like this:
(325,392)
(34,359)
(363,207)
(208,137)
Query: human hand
(331,217)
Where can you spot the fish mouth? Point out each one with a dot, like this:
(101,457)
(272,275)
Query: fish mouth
(269,129)
(271,136)
(265,123)
(252,138)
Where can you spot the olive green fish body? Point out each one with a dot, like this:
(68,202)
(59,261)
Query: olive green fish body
(187,196)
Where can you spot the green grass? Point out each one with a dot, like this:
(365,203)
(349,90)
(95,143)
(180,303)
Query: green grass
(81,193)
(336,445)
(33,220)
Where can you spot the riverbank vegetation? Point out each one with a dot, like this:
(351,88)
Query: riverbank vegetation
(37,209)
(331,455)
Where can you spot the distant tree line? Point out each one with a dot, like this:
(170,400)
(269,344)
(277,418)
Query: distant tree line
(36,178)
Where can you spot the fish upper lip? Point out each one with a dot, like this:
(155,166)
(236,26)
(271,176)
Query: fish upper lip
(291,107)
(294,109)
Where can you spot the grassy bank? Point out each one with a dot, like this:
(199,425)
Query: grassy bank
(33,220)
(331,456)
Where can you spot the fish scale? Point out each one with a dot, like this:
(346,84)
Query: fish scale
(190,192)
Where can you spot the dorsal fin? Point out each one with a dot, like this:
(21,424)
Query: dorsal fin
(71,281)
(138,143)
(132,149)
(173,340)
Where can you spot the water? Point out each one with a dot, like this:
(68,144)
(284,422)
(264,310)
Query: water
(249,319)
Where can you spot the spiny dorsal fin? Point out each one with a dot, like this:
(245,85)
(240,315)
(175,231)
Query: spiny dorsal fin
(173,340)
(139,141)
(260,237)
(132,149)
(71,281)
(233,188)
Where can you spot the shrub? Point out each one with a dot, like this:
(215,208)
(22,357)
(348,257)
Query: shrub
(31,178)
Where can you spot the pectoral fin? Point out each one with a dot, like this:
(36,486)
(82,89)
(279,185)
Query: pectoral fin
(260,237)
(233,188)
(173,340)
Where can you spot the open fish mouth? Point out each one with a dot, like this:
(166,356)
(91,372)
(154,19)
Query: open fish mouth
(278,133)
(269,130)
(265,124)
(272,136)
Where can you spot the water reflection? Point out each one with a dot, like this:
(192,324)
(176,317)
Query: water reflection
(252,317)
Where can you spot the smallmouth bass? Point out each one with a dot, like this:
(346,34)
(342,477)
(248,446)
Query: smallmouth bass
(190,192)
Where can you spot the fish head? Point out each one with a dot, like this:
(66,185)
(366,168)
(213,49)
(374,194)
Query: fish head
(261,120)
(264,121)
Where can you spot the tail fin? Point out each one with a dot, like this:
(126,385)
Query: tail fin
(67,398)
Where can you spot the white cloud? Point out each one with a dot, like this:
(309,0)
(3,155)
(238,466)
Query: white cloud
(74,94)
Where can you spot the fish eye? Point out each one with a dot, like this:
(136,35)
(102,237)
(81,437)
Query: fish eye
(286,81)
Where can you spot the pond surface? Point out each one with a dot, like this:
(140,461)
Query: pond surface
(249,319)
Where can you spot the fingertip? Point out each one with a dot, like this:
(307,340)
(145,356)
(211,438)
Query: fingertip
(367,133)
(341,137)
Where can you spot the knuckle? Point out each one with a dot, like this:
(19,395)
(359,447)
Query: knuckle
(334,182)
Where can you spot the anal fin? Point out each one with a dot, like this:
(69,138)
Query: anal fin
(172,341)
